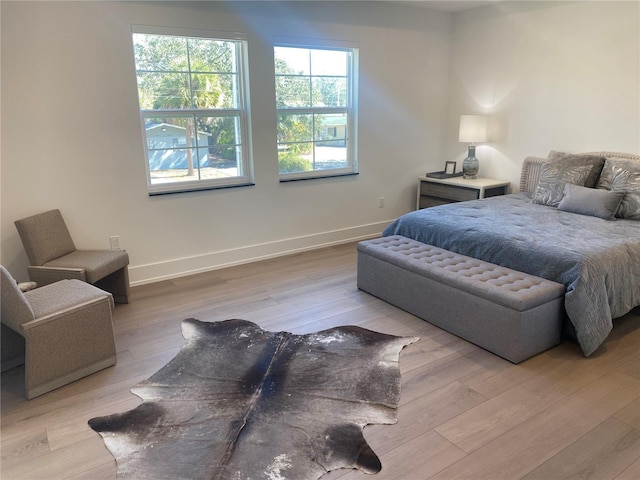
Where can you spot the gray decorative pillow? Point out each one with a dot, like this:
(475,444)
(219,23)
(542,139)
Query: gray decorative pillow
(578,159)
(570,159)
(606,176)
(590,201)
(626,181)
(553,178)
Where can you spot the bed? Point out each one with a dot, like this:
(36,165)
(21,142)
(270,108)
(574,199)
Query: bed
(559,227)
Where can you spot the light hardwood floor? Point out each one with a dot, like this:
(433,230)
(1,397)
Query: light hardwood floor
(464,413)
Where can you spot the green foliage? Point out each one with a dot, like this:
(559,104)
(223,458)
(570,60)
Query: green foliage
(295,128)
(291,162)
(292,90)
(176,73)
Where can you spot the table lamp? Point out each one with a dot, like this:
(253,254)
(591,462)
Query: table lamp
(473,129)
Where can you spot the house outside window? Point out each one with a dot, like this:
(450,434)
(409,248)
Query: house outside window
(316,104)
(194,109)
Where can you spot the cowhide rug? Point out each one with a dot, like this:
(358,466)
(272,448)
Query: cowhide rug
(240,403)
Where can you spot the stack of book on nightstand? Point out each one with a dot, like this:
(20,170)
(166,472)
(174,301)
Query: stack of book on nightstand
(443,174)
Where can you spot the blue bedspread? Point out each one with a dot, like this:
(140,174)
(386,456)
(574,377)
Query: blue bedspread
(597,260)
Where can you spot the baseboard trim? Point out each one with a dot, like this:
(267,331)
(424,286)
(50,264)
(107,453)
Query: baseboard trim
(180,267)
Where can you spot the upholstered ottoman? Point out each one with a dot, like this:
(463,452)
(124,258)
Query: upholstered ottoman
(512,314)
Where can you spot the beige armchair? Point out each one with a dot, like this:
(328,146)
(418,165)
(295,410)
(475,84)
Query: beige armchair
(67,331)
(53,257)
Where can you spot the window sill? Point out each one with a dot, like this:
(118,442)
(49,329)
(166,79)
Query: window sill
(299,179)
(199,189)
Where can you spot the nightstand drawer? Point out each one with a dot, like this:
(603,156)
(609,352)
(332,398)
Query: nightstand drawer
(426,201)
(494,192)
(449,192)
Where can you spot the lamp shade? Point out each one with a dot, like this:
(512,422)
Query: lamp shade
(473,128)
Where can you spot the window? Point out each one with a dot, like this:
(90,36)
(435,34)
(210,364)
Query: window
(194,109)
(316,110)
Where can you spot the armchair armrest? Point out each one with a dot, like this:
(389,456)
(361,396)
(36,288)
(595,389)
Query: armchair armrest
(60,298)
(46,275)
(69,312)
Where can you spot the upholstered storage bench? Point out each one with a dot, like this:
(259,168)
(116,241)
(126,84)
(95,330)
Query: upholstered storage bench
(509,313)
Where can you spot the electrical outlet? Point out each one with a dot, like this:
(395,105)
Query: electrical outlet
(115,242)
(381,202)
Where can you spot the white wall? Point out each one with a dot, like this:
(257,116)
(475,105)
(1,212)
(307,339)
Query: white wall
(71,134)
(552,75)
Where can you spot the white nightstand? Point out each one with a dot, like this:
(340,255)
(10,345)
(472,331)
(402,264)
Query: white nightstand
(438,191)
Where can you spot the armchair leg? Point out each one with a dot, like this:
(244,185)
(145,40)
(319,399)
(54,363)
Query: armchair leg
(12,348)
(117,284)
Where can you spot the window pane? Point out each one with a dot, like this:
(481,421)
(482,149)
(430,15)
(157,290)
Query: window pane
(170,149)
(329,62)
(291,60)
(147,88)
(217,166)
(212,91)
(223,134)
(161,91)
(295,128)
(292,91)
(172,165)
(225,156)
(170,132)
(295,158)
(330,155)
(229,91)
(330,92)
(160,53)
(213,56)
(331,127)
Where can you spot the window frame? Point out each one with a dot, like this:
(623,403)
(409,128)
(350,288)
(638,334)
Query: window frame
(241,112)
(350,110)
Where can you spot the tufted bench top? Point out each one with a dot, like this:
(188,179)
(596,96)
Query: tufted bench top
(510,288)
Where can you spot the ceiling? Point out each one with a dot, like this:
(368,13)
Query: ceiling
(449,5)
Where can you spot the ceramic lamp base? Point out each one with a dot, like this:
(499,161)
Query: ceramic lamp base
(470,165)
